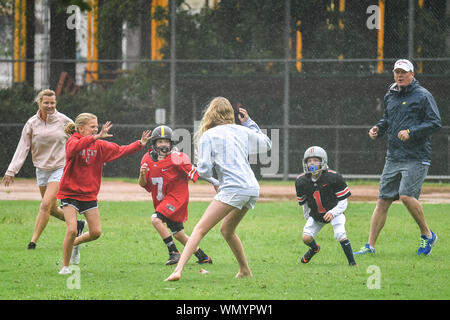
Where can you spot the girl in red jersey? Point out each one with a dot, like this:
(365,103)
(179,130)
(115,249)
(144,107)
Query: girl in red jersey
(165,174)
(80,183)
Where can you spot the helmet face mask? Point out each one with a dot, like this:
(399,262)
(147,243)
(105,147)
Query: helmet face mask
(165,148)
(313,166)
(315,152)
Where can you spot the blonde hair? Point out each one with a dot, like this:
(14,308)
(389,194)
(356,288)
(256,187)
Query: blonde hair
(45,92)
(219,111)
(81,120)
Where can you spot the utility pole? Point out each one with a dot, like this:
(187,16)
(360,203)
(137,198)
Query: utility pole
(46,45)
(287,29)
(173,56)
(411,30)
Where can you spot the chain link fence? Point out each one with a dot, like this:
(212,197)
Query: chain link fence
(314,77)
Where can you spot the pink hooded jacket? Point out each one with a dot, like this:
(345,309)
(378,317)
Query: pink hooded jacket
(47,141)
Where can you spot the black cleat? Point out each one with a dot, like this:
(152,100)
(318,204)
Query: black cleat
(205,260)
(202,257)
(174,257)
(81,224)
(309,254)
(31,246)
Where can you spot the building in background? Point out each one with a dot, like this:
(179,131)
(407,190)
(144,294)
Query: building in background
(44,47)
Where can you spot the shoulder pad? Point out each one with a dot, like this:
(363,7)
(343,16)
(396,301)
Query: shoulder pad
(300,175)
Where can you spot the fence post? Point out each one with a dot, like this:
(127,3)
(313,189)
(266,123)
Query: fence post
(173,56)
(45,67)
(286,91)
(410,30)
(337,147)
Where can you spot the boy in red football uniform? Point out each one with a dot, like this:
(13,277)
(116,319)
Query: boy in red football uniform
(165,174)
(86,153)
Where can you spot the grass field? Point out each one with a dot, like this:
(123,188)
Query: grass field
(127,262)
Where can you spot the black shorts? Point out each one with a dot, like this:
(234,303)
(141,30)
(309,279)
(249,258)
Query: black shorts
(81,206)
(172,225)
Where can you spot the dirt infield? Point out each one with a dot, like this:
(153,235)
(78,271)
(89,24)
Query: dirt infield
(124,191)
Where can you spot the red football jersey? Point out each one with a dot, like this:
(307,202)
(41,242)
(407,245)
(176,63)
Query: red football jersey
(167,181)
(85,157)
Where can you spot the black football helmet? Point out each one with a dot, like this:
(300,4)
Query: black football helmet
(161,132)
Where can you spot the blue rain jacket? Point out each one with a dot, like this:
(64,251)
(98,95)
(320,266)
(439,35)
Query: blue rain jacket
(412,108)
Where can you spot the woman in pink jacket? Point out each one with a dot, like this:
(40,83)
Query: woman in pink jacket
(44,135)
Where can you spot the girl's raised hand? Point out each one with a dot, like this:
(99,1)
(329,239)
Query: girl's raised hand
(104,132)
(145,137)
(243,115)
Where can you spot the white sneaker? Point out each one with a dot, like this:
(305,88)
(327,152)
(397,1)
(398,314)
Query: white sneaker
(65,270)
(75,259)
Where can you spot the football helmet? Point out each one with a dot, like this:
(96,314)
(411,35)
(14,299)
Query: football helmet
(315,152)
(161,132)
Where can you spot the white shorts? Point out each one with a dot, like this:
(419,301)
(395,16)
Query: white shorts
(236,200)
(312,227)
(43,177)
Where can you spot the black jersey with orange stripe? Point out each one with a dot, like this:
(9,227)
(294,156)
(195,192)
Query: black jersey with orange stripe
(321,195)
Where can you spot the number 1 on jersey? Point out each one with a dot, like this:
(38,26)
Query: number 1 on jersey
(320,207)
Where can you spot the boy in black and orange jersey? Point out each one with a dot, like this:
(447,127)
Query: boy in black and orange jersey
(323,194)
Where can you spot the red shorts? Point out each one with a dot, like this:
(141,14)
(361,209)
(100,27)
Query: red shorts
(173,209)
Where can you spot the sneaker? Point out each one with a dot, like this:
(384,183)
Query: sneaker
(31,246)
(353,264)
(365,249)
(205,260)
(174,257)
(75,259)
(426,245)
(65,270)
(81,224)
(309,254)
(202,257)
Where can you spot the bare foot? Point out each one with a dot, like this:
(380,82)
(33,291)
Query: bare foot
(246,274)
(174,277)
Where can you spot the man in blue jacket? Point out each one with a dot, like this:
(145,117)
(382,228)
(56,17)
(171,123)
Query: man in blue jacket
(410,118)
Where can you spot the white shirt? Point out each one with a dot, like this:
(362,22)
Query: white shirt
(338,210)
(226,149)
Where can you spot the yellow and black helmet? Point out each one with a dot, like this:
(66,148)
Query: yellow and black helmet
(161,132)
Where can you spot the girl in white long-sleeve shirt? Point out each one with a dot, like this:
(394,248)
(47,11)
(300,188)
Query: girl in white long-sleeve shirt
(225,146)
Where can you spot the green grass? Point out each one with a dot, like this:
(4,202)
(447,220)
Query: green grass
(127,262)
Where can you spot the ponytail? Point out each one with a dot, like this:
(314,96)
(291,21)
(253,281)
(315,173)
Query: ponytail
(70,128)
(81,120)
